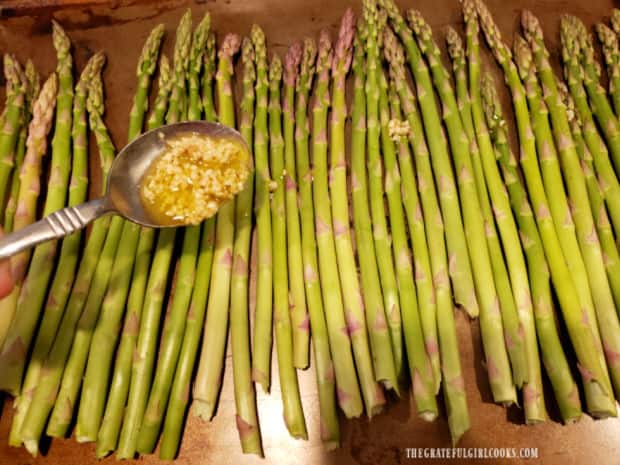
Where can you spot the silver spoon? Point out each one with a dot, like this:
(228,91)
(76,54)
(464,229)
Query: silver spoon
(122,194)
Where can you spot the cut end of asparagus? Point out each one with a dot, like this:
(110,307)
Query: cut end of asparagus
(32,446)
(203,410)
(428,416)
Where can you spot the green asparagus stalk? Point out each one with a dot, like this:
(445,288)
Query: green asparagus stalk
(174,325)
(292,409)
(74,327)
(352,294)
(554,358)
(263,329)
(550,169)
(144,71)
(384,321)
(31,92)
(245,394)
(596,145)
(110,283)
(325,368)
(63,281)
(170,344)
(298,310)
(14,351)
(611,54)
(595,194)
(12,120)
(31,293)
(599,103)
(119,386)
(348,393)
(155,290)
(33,86)
(580,327)
(493,318)
(199,44)
(262,337)
(208,74)
(507,302)
(460,267)
(532,391)
(453,385)
(419,363)
(580,206)
(209,377)
(98,365)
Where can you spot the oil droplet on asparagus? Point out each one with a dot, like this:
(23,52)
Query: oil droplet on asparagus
(193,177)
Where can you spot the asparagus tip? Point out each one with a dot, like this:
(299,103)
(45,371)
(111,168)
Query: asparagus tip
(455,44)
(291,63)
(230,46)
(531,26)
(342,50)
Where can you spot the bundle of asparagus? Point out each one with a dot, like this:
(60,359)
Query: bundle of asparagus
(443,214)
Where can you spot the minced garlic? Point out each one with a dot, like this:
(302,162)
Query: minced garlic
(194,176)
(398,129)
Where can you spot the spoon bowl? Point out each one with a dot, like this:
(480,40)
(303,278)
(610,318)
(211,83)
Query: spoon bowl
(123,188)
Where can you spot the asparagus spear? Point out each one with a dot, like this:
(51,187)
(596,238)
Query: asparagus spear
(174,325)
(595,194)
(611,54)
(419,363)
(532,392)
(298,310)
(208,74)
(98,365)
(13,350)
(208,379)
(550,169)
(12,120)
(454,389)
(245,394)
(261,362)
(460,268)
(33,85)
(491,314)
(325,368)
(384,322)
(554,359)
(13,82)
(581,329)
(144,357)
(349,397)
(580,206)
(119,386)
(352,294)
(599,102)
(197,51)
(32,293)
(507,302)
(597,147)
(293,413)
(62,283)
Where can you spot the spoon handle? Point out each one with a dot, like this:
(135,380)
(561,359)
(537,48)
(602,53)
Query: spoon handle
(54,226)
